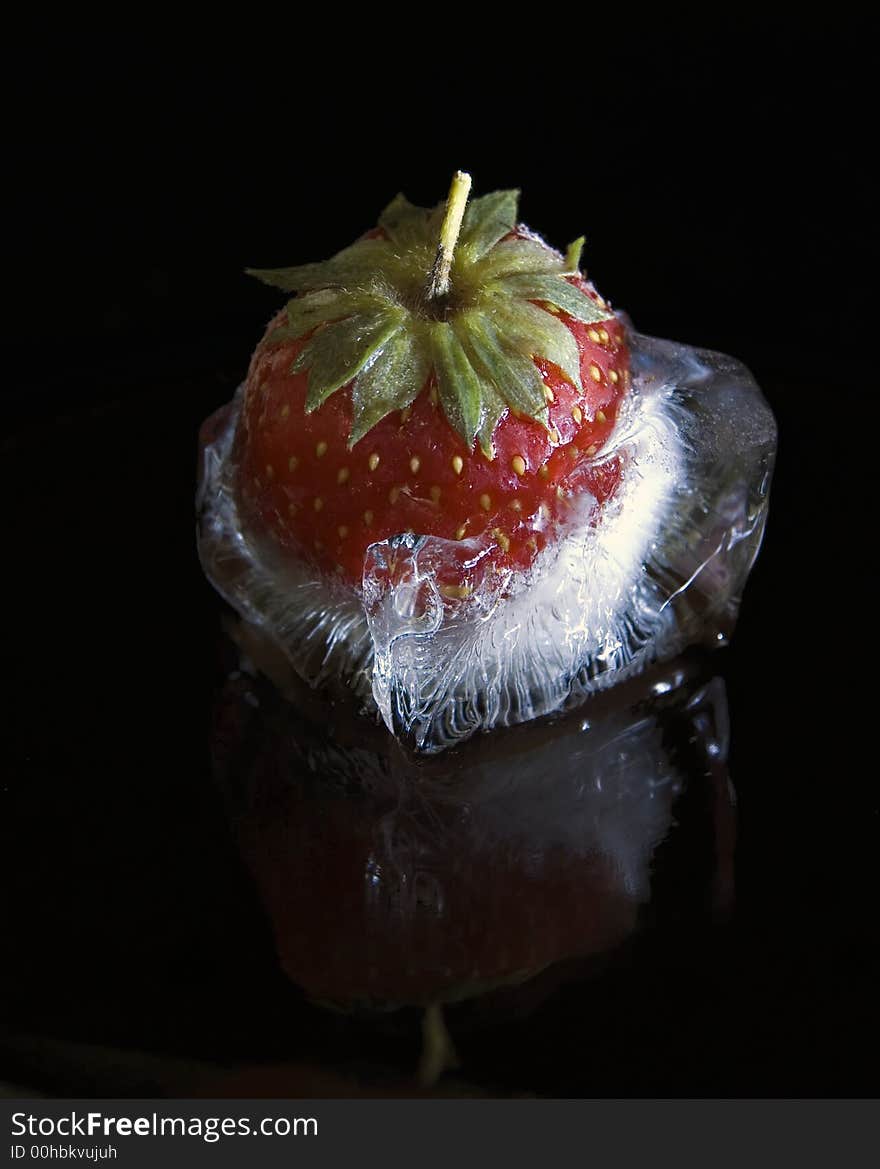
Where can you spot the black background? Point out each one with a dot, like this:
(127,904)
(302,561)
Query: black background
(721,176)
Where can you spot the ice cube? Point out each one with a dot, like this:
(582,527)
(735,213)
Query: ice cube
(659,566)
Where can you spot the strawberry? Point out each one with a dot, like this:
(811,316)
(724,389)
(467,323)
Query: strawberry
(464,392)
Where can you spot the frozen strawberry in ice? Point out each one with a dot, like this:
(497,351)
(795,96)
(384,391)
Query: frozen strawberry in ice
(457,484)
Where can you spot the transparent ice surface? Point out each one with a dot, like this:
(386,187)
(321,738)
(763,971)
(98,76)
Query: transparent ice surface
(662,567)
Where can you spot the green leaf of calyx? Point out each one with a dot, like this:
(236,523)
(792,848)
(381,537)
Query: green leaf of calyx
(537,333)
(554,290)
(513,257)
(459,385)
(515,377)
(405,224)
(353,267)
(391,381)
(494,410)
(573,254)
(486,221)
(307,311)
(337,352)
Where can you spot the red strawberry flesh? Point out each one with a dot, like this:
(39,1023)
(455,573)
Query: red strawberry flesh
(315,499)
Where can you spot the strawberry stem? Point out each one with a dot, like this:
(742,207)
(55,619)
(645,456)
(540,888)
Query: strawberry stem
(455,204)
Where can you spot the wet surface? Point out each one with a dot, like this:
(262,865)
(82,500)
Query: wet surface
(197,870)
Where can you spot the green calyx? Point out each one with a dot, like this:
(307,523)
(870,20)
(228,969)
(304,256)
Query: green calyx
(377,320)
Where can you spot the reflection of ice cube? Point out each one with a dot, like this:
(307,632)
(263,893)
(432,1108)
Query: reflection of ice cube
(660,566)
(479,868)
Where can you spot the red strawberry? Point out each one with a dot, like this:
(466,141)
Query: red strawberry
(384,401)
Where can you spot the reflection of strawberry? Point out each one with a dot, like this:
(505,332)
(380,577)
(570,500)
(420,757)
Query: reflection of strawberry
(392,882)
(386,401)
(378,899)
(400,881)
